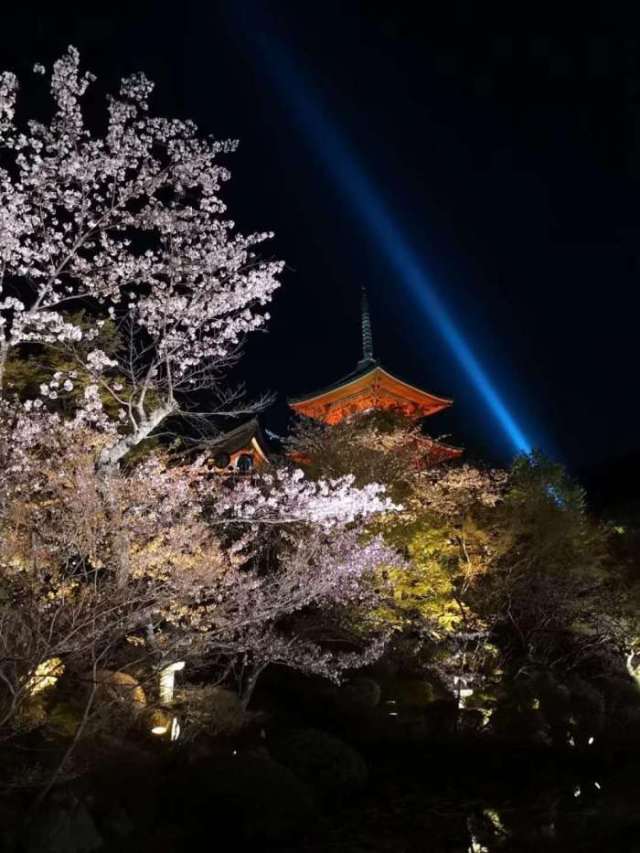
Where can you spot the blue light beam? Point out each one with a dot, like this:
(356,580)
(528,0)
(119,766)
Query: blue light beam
(368,204)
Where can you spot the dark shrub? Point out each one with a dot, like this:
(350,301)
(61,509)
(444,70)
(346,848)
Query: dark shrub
(411,692)
(359,695)
(587,710)
(441,717)
(514,721)
(66,826)
(240,796)
(326,763)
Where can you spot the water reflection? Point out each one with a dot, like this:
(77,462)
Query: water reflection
(539,809)
(568,814)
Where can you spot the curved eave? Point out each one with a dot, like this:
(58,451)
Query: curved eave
(345,382)
(245,438)
(446,450)
(443,402)
(260,450)
(343,388)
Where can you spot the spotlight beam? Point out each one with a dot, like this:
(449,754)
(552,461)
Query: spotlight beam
(370,208)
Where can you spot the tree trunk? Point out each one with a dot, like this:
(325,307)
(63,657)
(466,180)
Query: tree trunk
(108,469)
(110,457)
(249,685)
(118,535)
(4,354)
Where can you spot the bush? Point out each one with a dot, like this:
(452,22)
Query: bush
(620,693)
(63,719)
(359,696)
(587,710)
(411,693)
(251,797)
(326,763)
(65,827)
(209,709)
(515,721)
(441,717)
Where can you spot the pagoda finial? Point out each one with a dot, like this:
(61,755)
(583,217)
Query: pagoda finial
(367,337)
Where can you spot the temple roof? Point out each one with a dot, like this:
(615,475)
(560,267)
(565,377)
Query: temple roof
(248,437)
(369,386)
(437,451)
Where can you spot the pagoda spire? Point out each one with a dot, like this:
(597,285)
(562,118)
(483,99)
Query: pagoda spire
(372,388)
(367,337)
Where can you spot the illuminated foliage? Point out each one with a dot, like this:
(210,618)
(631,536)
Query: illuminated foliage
(551,560)
(125,292)
(436,530)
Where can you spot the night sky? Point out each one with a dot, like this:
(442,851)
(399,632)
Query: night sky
(507,149)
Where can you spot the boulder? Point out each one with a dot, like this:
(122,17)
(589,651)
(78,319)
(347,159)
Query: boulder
(119,687)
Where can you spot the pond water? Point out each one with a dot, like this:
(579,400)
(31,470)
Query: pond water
(533,805)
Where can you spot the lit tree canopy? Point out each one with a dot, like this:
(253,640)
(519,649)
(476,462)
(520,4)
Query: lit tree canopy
(132,225)
(124,290)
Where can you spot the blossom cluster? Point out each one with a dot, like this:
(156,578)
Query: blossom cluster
(452,491)
(133,224)
(289,496)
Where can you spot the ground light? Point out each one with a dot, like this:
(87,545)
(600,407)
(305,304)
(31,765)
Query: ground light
(167,681)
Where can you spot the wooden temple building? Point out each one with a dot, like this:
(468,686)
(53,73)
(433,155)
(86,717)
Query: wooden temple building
(240,450)
(369,387)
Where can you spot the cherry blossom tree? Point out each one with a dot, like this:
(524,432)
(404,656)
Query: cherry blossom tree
(197,586)
(121,274)
(132,224)
(168,560)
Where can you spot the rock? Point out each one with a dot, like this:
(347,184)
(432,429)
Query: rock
(119,687)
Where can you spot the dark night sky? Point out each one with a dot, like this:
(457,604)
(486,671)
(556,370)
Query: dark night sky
(508,148)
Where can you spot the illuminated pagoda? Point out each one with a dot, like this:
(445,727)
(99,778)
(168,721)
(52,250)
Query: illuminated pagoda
(372,388)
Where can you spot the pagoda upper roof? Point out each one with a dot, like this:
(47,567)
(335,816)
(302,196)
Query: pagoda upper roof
(368,387)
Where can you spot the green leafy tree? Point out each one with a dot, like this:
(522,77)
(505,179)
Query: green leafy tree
(507,574)
(438,530)
(551,566)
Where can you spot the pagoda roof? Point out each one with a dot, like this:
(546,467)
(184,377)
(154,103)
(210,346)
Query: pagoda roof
(368,387)
(438,451)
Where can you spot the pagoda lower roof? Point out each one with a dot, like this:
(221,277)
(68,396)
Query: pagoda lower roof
(436,451)
(368,387)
